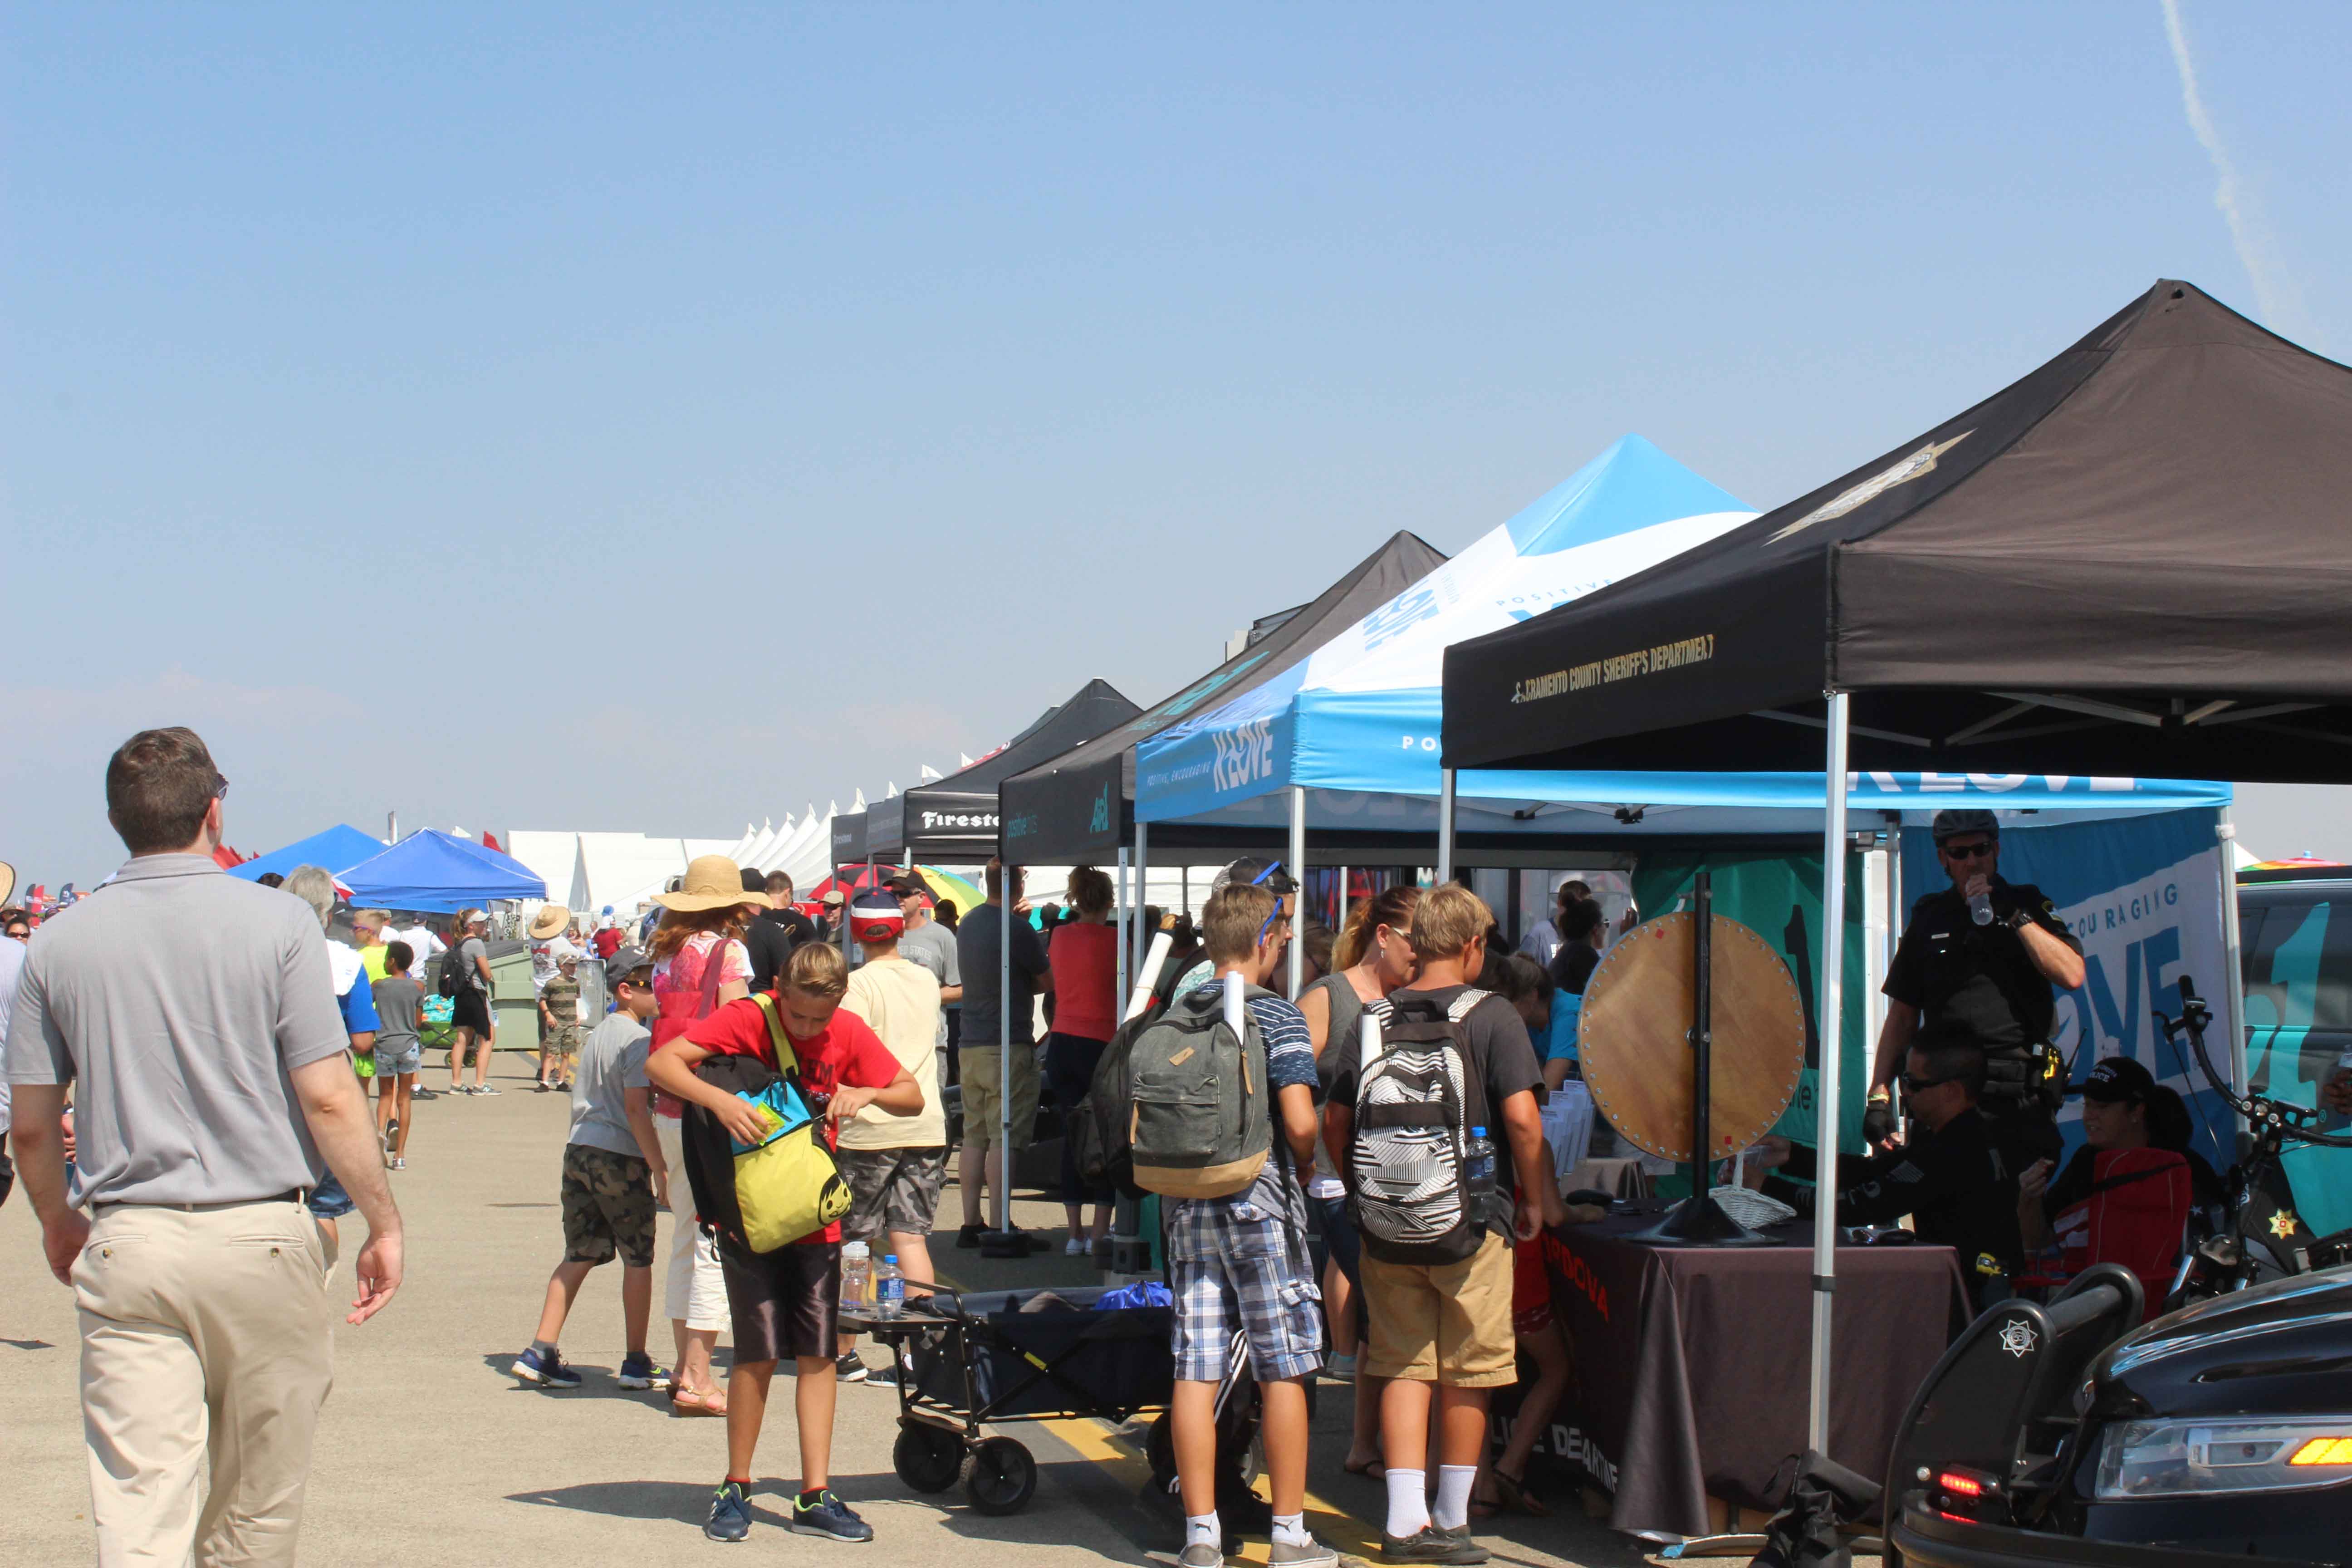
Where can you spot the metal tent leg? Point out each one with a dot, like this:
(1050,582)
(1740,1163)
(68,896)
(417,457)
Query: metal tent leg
(1298,900)
(1445,826)
(1827,1105)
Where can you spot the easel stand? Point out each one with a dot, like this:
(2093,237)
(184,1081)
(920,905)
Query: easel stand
(1698,1220)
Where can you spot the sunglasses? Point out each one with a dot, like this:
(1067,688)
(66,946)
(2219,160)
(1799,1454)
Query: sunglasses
(1982,847)
(222,792)
(1921,1085)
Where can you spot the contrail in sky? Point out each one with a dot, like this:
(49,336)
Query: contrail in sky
(2274,293)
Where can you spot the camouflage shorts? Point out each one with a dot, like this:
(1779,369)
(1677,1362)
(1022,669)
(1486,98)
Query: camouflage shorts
(608,1207)
(563,1040)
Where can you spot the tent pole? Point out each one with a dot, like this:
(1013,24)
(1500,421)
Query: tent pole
(1119,917)
(1445,826)
(1826,1107)
(2234,983)
(1003,1152)
(1143,898)
(1298,899)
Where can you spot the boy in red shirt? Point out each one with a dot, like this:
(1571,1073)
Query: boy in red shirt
(788,1302)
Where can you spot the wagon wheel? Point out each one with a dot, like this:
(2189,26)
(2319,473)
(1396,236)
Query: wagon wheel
(999,1476)
(926,1459)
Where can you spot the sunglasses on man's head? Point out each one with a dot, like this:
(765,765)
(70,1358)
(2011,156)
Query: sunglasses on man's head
(1981,847)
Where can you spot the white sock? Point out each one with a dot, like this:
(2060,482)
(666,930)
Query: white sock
(1201,1528)
(1452,1511)
(1291,1528)
(1408,1505)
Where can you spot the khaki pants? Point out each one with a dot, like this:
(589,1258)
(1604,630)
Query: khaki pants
(207,1353)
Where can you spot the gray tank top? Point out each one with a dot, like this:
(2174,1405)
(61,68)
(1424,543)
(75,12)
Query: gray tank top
(1346,1007)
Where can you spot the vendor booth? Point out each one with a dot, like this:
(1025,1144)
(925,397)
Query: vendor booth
(441,873)
(2133,561)
(953,820)
(336,850)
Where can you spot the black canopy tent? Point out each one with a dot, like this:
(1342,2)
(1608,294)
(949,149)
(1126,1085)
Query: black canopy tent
(2135,560)
(955,818)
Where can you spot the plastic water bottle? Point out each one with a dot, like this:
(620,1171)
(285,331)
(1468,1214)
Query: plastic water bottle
(1478,1171)
(889,1288)
(856,1276)
(1980,908)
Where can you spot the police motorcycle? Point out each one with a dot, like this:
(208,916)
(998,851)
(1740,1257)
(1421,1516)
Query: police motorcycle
(2071,1433)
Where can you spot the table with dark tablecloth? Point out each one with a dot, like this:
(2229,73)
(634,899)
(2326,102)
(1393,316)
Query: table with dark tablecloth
(1693,1364)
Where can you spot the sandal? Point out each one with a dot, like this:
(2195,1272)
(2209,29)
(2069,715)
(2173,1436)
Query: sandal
(1514,1495)
(686,1402)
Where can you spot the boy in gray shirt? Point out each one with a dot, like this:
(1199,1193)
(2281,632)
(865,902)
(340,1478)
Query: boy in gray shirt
(398,1051)
(614,1181)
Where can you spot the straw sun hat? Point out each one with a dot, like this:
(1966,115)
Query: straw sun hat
(553,919)
(711,882)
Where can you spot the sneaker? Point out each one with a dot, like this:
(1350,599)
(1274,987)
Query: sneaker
(1314,1554)
(1201,1554)
(638,1371)
(731,1513)
(848,1368)
(1430,1544)
(1340,1369)
(548,1371)
(829,1517)
(400,1162)
(421,1092)
(888,1377)
(541,1087)
(1075,1247)
(484,1089)
(968,1236)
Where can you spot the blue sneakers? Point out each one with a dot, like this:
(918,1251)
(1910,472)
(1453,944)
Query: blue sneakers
(548,1371)
(638,1371)
(731,1513)
(829,1517)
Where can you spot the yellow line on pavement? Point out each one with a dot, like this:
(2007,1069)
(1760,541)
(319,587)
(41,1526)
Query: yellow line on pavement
(1091,1438)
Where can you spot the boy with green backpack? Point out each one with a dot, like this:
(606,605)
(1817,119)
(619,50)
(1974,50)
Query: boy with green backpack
(784,1300)
(1223,1120)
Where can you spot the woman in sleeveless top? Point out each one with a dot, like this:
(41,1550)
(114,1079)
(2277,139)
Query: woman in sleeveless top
(1372,957)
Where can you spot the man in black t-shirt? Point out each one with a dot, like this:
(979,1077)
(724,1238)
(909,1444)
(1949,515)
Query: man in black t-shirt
(776,931)
(1988,984)
(1581,936)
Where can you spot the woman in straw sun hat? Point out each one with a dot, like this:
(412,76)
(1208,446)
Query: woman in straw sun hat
(699,964)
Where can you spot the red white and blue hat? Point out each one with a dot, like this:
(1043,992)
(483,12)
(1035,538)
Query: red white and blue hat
(876,917)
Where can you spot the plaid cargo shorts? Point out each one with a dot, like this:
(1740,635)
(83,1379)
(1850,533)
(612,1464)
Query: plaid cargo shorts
(608,1207)
(1240,1265)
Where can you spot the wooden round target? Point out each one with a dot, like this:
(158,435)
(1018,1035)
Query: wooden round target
(1635,1036)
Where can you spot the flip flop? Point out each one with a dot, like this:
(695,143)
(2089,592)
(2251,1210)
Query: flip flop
(1514,1496)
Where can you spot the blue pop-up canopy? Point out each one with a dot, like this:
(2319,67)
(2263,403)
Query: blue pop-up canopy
(1362,712)
(442,873)
(336,850)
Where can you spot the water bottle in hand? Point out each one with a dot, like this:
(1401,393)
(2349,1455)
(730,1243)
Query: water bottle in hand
(1478,1171)
(1980,908)
(889,1288)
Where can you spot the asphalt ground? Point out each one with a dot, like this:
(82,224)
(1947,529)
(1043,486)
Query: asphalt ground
(428,1453)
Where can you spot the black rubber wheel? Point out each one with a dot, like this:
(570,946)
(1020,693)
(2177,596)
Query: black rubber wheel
(926,1459)
(1159,1448)
(999,1476)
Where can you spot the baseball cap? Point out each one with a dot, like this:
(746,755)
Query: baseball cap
(833,896)
(1952,824)
(625,962)
(2117,1078)
(906,882)
(876,917)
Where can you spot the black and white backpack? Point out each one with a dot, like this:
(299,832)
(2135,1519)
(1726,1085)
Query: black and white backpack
(1416,1100)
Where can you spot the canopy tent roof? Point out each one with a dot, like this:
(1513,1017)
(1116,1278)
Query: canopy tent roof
(335,850)
(1361,712)
(440,872)
(956,817)
(805,856)
(1079,806)
(2135,559)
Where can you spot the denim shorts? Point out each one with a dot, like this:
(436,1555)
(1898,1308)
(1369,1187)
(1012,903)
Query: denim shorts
(398,1059)
(328,1199)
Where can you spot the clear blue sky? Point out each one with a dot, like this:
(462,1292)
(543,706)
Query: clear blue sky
(706,385)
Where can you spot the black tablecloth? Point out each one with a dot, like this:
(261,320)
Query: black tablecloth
(1693,1364)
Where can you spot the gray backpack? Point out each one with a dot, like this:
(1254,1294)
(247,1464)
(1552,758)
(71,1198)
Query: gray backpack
(1201,1126)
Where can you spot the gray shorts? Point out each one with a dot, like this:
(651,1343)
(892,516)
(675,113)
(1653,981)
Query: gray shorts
(891,1189)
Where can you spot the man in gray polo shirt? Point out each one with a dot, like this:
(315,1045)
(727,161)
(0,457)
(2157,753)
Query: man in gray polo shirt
(193,1011)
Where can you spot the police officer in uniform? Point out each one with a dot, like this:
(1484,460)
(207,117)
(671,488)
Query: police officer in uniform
(1988,985)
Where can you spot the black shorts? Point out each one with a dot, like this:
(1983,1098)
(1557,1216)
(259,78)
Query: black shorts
(470,1010)
(785,1303)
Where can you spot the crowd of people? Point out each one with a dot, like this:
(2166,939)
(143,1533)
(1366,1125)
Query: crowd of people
(1379,1233)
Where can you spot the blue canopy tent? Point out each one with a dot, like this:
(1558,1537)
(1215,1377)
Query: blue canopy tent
(441,873)
(336,850)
